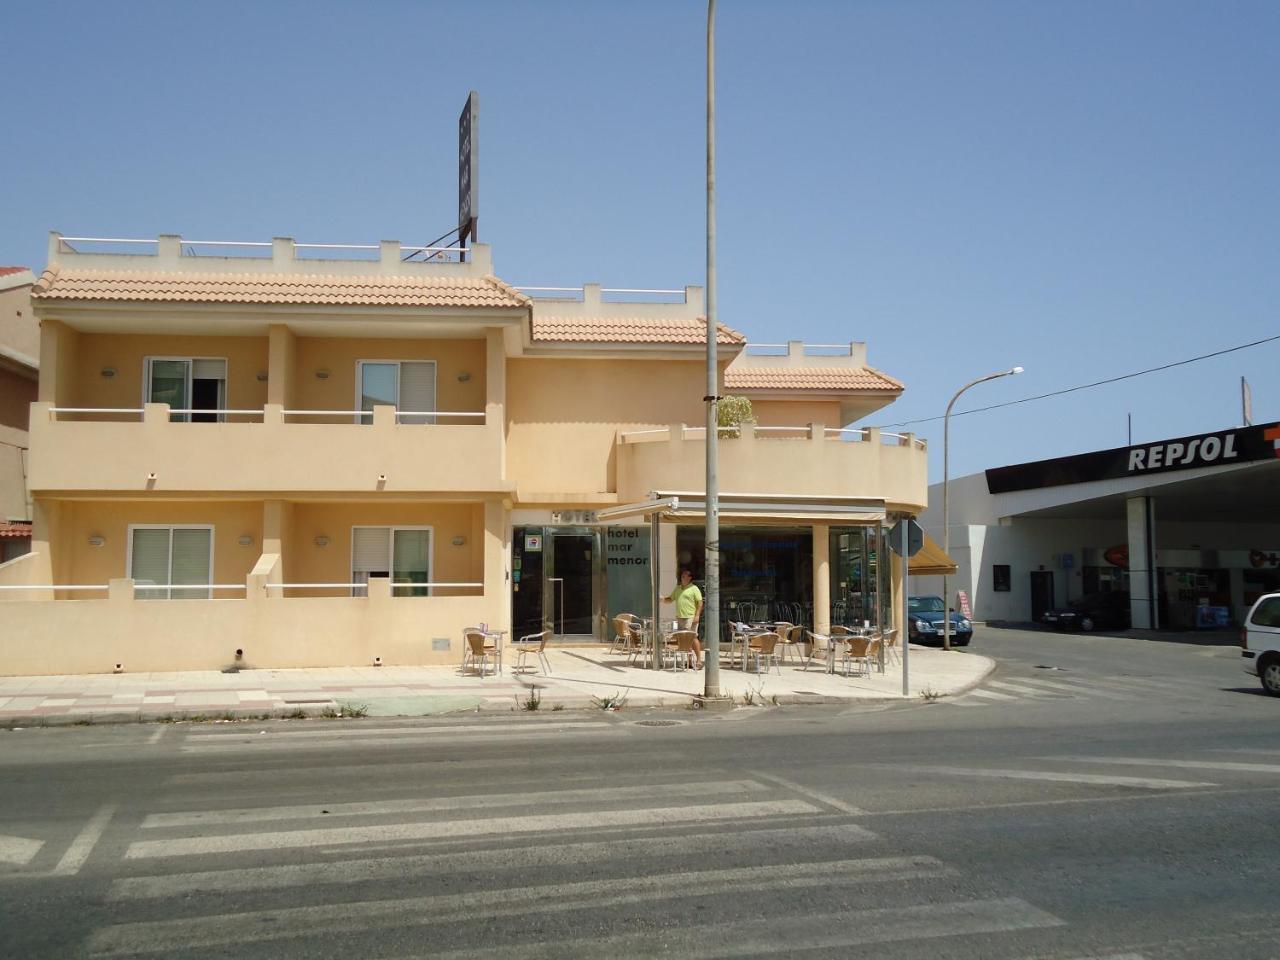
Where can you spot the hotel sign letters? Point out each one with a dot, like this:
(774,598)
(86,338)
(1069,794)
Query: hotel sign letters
(1224,447)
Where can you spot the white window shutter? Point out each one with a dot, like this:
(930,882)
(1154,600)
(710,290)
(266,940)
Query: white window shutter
(208,369)
(190,564)
(149,564)
(370,553)
(417,391)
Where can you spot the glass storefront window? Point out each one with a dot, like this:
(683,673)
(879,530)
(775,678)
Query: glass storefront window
(766,573)
(857,595)
(627,584)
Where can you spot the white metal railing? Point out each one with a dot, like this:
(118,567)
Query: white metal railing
(138,411)
(361,586)
(772,432)
(53,586)
(411,249)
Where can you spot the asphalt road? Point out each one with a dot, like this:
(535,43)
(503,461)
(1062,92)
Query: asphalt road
(1121,805)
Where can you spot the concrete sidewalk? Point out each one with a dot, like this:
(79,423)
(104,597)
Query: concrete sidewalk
(581,677)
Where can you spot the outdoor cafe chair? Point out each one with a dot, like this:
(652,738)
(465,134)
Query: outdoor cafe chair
(793,641)
(625,626)
(763,648)
(862,651)
(890,641)
(782,628)
(535,644)
(679,647)
(819,647)
(476,651)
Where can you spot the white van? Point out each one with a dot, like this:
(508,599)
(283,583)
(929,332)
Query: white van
(1260,638)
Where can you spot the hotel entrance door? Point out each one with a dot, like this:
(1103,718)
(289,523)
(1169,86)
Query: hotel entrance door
(558,582)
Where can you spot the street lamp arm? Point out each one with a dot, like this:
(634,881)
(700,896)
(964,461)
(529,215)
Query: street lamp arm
(974,383)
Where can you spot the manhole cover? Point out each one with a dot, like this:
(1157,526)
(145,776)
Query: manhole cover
(1041,666)
(657,723)
(301,703)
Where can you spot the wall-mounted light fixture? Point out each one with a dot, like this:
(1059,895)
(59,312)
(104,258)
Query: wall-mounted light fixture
(459,541)
(262,376)
(108,372)
(322,374)
(246,540)
(97,540)
(322,541)
(464,377)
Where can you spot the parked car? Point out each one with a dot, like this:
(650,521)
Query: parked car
(1260,640)
(1093,611)
(925,622)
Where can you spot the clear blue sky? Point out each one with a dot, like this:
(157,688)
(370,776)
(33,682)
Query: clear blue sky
(1083,188)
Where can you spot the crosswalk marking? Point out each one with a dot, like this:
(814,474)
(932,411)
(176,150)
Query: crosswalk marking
(377,808)
(549,854)
(990,695)
(1052,775)
(1025,691)
(785,935)
(1075,688)
(534,823)
(169,936)
(18,850)
(1227,765)
(84,842)
(826,798)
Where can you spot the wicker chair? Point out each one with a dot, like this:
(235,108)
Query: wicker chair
(535,644)
(478,651)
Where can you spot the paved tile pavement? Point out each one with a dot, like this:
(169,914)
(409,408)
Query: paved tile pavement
(578,674)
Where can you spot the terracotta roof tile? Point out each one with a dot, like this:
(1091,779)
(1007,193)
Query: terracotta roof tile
(58,283)
(629,330)
(828,379)
(15,528)
(5,271)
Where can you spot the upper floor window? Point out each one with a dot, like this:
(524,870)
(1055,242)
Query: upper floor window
(194,386)
(407,385)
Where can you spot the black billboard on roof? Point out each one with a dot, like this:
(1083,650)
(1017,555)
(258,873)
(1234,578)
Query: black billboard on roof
(1221,448)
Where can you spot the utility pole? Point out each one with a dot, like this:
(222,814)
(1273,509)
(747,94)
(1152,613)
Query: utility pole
(711,605)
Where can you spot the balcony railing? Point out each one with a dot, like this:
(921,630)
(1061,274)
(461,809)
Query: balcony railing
(805,432)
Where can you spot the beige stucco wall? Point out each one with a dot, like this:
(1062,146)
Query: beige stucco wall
(308,563)
(808,466)
(246,358)
(16,395)
(338,356)
(258,457)
(564,415)
(19,330)
(91,636)
(78,562)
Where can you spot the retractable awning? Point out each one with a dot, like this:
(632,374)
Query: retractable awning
(672,506)
(931,561)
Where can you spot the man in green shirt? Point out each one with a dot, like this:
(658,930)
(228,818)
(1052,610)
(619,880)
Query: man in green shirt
(688,600)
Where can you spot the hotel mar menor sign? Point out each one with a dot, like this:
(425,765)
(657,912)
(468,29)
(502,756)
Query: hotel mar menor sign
(1241,445)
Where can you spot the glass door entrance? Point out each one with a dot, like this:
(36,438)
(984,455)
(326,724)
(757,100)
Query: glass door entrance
(558,581)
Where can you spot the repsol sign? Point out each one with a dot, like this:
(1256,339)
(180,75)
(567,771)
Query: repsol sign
(1243,445)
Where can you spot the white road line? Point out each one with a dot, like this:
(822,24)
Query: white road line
(1185,764)
(1022,691)
(358,731)
(826,798)
(784,936)
(990,695)
(378,808)
(1082,689)
(533,823)
(18,850)
(1094,778)
(160,732)
(171,936)
(507,860)
(433,741)
(84,843)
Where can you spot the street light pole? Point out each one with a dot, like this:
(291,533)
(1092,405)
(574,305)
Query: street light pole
(946,499)
(711,606)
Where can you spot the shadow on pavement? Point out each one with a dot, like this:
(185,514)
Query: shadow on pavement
(1221,637)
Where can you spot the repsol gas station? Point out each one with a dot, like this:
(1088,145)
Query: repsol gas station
(1188,527)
